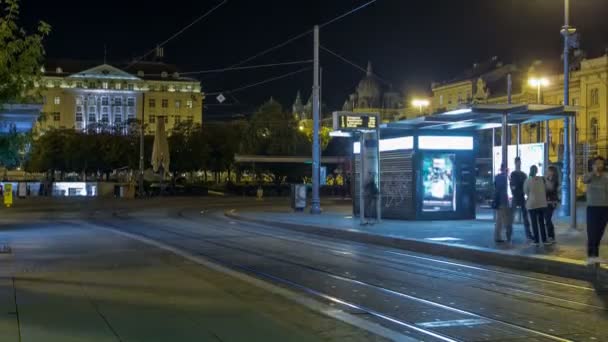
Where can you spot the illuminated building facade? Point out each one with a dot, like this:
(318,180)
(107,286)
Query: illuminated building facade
(89,96)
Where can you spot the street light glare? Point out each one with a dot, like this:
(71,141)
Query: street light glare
(420,103)
(535,82)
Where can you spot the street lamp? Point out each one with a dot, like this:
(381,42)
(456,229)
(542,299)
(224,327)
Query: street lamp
(420,104)
(538,83)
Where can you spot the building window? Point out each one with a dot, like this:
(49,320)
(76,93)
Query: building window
(594,128)
(78,84)
(130,110)
(92,109)
(117,119)
(151,119)
(152,103)
(178,104)
(117,86)
(43,100)
(117,110)
(104,85)
(595,97)
(165,103)
(78,109)
(575,101)
(440,100)
(78,117)
(131,86)
(104,101)
(57,100)
(56,116)
(79,100)
(166,118)
(92,85)
(105,117)
(163,88)
(459,98)
(176,119)
(190,118)
(117,101)
(189,103)
(130,101)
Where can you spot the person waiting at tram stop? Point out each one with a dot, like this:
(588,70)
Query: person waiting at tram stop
(552,189)
(502,207)
(516,181)
(536,203)
(371,196)
(597,208)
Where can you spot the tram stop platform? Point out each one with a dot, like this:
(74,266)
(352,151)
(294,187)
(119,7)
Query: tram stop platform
(467,240)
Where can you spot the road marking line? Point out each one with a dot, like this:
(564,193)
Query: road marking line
(453,323)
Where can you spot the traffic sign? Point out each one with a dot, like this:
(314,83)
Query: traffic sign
(221,98)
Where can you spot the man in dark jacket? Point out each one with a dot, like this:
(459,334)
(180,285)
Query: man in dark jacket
(501,204)
(517,180)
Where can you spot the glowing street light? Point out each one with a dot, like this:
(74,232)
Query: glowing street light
(538,83)
(301,128)
(420,103)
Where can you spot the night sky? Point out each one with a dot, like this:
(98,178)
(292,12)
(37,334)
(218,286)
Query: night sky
(410,43)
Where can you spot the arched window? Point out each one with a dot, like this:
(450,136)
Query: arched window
(594,129)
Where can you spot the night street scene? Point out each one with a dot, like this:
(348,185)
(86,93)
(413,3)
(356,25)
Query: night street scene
(345,170)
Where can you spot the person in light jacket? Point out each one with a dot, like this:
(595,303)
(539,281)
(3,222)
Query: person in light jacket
(597,208)
(536,203)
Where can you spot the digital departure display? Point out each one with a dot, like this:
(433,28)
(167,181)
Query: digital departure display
(354,121)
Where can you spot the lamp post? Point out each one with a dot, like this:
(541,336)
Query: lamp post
(539,83)
(420,104)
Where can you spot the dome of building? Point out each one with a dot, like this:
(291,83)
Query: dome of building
(368,90)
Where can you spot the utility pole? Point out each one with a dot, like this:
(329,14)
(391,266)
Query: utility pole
(568,178)
(141,147)
(315,207)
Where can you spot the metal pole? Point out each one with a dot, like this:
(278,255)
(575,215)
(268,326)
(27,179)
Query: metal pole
(518,139)
(362,151)
(141,147)
(547,142)
(566,200)
(379,199)
(315,207)
(503,142)
(539,124)
(573,172)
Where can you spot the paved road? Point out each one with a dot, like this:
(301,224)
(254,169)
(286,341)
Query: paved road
(414,295)
(423,297)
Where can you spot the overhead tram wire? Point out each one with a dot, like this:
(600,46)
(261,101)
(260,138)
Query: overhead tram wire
(344,59)
(303,34)
(260,82)
(195,21)
(246,67)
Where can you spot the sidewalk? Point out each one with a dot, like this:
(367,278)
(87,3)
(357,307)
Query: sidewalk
(73,282)
(470,240)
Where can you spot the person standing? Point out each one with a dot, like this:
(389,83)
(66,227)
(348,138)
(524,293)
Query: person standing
(517,180)
(501,205)
(536,203)
(597,208)
(553,189)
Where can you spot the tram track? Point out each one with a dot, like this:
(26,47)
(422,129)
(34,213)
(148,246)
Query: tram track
(186,235)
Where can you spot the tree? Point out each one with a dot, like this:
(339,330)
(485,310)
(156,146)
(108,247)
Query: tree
(21,55)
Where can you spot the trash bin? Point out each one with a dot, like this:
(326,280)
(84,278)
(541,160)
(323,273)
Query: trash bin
(298,197)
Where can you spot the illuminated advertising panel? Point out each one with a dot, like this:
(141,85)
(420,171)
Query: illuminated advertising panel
(530,154)
(438,186)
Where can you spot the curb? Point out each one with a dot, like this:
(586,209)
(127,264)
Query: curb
(562,267)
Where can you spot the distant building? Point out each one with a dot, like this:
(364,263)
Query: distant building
(370,96)
(86,95)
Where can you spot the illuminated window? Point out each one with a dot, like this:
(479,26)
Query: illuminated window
(79,100)
(178,103)
(165,103)
(117,86)
(56,116)
(152,103)
(57,100)
(189,103)
(130,101)
(104,85)
(105,101)
(151,119)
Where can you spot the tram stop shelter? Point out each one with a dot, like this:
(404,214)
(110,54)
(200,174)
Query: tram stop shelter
(502,117)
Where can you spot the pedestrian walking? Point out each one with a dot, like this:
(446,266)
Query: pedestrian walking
(552,187)
(597,208)
(501,205)
(371,196)
(517,180)
(536,203)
